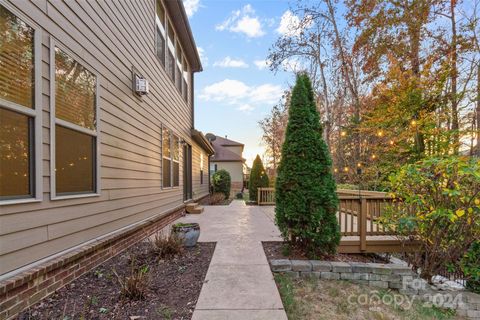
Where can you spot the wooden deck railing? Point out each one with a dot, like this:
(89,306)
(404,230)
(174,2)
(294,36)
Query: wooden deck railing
(358,215)
(266,196)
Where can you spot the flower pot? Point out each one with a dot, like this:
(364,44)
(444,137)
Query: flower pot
(187,232)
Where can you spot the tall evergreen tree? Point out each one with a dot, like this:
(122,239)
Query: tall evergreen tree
(306,198)
(258,178)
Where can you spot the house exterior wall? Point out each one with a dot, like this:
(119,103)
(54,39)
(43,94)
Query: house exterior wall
(108,37)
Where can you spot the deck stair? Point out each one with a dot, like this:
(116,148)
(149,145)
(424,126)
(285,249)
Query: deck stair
(194,208)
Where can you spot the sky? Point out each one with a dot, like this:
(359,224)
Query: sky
(236,89)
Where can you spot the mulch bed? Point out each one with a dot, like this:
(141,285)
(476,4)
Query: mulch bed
(172,291)
(280,250)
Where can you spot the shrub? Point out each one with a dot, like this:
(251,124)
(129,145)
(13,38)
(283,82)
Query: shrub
(217,198)
(164,246)
(438,204)
(133,285)
(239,195)
(306,198)
(258,178)
(471,267)
(221,182)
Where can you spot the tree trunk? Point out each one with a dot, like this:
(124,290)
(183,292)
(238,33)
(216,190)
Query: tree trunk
(478,112)
(348,76)
(454,76)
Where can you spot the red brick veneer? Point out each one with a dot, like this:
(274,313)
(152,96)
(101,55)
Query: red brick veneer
(29,287)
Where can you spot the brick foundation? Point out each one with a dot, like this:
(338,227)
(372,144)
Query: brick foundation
(31,286)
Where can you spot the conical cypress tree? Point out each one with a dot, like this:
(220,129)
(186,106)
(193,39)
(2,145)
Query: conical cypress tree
(306,198)
(258,178)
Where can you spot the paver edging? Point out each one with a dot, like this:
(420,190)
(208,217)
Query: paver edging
(386,276)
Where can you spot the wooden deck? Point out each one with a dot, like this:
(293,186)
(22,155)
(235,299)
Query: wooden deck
(358,218)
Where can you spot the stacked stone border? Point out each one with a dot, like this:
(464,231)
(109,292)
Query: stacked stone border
(384,276)
(27,288)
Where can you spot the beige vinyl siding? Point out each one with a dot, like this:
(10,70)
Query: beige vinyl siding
(199,190)
(109,37)
(235,168)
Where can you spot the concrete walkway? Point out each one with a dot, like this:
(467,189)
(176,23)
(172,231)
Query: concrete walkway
(239,283)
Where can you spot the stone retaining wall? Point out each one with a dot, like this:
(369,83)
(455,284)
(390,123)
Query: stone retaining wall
(385,276)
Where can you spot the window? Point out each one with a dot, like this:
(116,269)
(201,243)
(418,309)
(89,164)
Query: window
(201,168)
(185,80)
(167,158)
(160,25)
(176,161)
(74,138)
(19,118)
(171,159)
(178,74)
(169,51)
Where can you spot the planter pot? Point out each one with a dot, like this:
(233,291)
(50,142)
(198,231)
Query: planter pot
(187,232)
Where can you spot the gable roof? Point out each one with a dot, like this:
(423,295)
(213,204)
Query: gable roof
(222,152)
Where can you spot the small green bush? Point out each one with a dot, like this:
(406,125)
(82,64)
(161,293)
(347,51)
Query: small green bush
(471,267)
(221,182)
(437,202)
(258,178)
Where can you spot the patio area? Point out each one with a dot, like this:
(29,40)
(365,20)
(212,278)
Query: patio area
(239,283)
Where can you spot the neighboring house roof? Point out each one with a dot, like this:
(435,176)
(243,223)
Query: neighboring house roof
(222,152)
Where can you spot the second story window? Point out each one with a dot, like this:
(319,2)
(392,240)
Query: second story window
(170,53)
(160,32)
(178,70)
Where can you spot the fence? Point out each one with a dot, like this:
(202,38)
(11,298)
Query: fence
(266,196)
(358,218)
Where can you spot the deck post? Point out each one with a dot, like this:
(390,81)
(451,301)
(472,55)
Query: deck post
(363,224)
(258,196)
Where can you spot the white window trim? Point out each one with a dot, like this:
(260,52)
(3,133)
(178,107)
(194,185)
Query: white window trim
(35,113)
(54,121)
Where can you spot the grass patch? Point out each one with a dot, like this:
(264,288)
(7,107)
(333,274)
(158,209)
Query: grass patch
(343,300)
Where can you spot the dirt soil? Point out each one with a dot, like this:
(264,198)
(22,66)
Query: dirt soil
(279,250)
(172,289)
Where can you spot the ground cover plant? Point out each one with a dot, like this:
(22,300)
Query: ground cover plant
(141,282)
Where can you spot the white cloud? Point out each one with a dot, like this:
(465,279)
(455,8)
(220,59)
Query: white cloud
(262,64)
(241,95)
(227,90)
(246,107)
(191,6)
(291,25)
(203,57)
(243,21)
(266,93)
(228,62)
